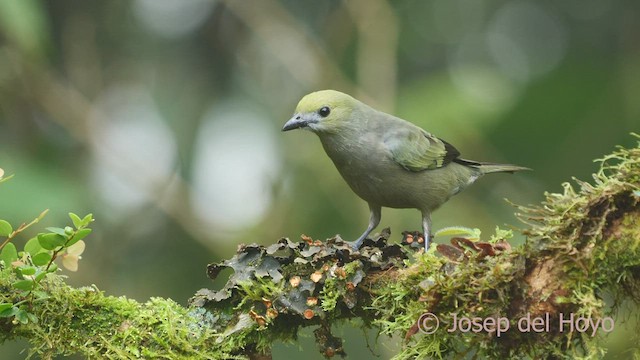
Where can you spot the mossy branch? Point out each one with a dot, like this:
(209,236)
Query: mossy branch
(582,244)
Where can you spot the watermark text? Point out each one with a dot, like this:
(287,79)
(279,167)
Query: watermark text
(428,323)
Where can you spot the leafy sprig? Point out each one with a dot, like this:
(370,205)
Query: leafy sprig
(37,259)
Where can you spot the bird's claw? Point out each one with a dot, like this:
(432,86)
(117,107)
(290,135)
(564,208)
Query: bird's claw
(355,245)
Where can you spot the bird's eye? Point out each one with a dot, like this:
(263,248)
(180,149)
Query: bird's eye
(324,111)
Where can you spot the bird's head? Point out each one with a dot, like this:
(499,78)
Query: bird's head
(323,111)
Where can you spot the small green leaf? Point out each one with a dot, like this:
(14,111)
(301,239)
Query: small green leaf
(33,246)
(87,220)
(32,318)
(51,241)
(458,231)
(22,316)
(27,270)
(41,259)
(5,306)
(5,228)
(24,285)
(81,234)
(9,254)
(41,275)
(57,230)
(11,311)
(77,222)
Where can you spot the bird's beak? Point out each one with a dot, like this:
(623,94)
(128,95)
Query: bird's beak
(294,123)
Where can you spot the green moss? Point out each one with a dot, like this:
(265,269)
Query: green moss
(83,320)
(330,295)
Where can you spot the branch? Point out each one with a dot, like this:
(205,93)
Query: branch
(582,244)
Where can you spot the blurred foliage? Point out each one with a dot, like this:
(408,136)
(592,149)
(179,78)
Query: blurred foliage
(162,117)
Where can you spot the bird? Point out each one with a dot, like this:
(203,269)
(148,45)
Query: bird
(385,160)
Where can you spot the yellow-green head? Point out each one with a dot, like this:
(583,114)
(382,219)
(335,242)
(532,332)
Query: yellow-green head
(322,111)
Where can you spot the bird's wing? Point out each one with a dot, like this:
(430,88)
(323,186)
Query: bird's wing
(415,149)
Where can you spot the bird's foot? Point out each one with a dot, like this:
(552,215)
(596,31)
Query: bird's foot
(355,245)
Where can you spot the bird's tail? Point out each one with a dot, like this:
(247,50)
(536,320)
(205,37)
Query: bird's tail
(487,168)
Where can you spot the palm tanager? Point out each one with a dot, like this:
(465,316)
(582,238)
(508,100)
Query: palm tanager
(387,161)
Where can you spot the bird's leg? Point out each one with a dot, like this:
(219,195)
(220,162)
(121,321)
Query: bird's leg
(374,220)
(426,228)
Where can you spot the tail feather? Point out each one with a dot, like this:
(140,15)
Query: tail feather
(487,168)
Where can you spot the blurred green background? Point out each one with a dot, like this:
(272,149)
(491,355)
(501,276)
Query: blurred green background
(163,119)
